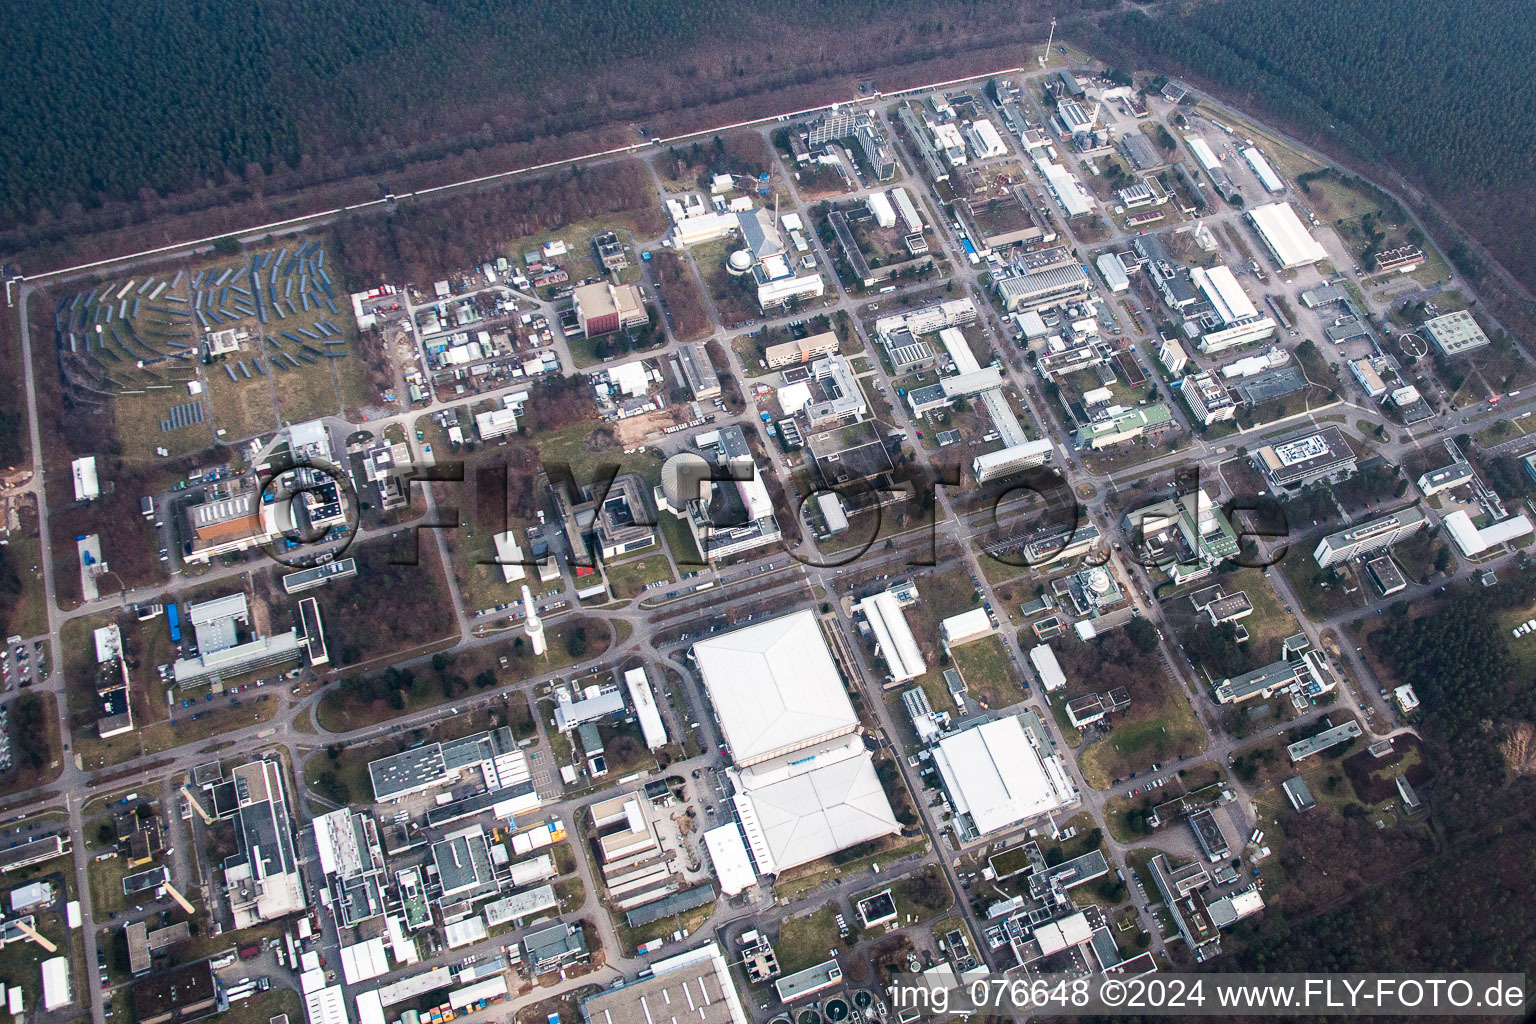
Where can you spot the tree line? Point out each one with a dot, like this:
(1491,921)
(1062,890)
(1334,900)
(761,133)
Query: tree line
(122,100)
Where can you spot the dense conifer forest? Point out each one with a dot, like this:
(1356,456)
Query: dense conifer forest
(107,99)
(1440,91)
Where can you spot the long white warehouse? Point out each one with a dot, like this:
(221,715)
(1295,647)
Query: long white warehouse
(644,700)
(1204,153)
(893,636)
(1224,293)
(1066,187)
(1288,240)
(1049,669)
(1266,174)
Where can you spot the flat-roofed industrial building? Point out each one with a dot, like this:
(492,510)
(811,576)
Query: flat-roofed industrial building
(1043,288)
(1289,242)
(698,371)
(1455,333)
(694,986)
(999,774)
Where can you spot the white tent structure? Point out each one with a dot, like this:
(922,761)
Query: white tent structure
(965,627)
(363,960)
(57,993)
(803,816)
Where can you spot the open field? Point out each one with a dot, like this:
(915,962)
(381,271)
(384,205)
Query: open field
(983,665)
(628,579)
(25,613)
(586,445)
(1169,732)
(242,408)
(138,417)
(805,941)
(796,882)
(362,700)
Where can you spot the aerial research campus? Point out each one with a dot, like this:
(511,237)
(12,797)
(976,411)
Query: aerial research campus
(958,530)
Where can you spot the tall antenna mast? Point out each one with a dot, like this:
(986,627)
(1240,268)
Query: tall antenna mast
(1049,40)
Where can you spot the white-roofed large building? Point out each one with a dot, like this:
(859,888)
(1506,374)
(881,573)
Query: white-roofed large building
(1066,187)
(323,1004)
(1455,333)
(643,699)
(893,636)
(829,802)
(775,688)
(509,557)
(1472,541)
(57,992)
(1113,272)
(728,853)
(1203,153)
(965,627)
(363,961)
(1261,168)
(1285,236)
(1049,669)
(87,486)
(1223,292)
(880,206)
(1000,774)
(805,786)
